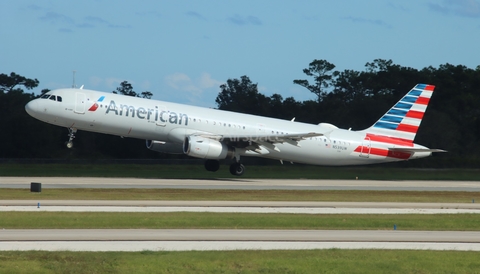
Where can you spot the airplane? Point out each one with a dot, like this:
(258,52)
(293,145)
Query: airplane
(215,135)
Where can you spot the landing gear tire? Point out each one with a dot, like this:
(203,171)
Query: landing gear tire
(71,136)
(237,169)
(212,165)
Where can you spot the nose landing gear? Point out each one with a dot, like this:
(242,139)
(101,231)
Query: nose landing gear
(71,135)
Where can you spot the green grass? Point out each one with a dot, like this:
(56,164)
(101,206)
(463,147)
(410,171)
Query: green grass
(126,220)
(240,195)
(286,171)
(310,261)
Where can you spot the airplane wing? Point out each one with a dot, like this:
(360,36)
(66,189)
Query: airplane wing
(262,143)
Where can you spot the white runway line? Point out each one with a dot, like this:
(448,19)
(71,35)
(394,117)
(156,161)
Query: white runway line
(238,183)
(271,210)
(135,246)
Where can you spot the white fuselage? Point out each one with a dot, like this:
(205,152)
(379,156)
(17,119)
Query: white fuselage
(169,122)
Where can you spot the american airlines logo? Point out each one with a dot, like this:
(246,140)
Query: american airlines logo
(95,105)
(149,114)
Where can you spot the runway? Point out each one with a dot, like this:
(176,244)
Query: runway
(241,184)
(266,207)
(238,235)
(235,239)
(232,239)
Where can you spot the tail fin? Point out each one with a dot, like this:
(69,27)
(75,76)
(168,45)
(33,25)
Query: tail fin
(403,119)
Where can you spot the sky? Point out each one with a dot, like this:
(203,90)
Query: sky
(182,51)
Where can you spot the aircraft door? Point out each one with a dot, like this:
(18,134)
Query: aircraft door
(80,103)
(366,147)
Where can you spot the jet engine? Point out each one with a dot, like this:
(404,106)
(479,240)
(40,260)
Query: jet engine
(206,148)
(164,147)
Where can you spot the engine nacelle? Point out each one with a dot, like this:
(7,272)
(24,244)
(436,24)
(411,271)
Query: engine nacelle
(206,148)
(164,147)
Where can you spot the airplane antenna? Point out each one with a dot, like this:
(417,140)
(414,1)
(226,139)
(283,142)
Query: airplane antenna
(73,85)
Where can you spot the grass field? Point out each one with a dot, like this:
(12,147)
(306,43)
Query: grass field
(286,171)
(240,195)
(126,220)
(310,261)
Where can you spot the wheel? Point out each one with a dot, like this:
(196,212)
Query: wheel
(69,144)
(237,169)
(212,165)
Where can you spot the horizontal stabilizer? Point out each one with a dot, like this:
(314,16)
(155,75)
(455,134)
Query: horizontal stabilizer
(406,149)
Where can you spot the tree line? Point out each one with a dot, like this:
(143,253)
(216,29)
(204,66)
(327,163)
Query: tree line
(347,99)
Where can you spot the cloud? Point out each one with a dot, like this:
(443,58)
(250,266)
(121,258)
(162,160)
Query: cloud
(113,26)
(95,81)
(464,8)
(113,83)
(67,23)
(65,30)
(145,85)
(398,7)
(177,80)
(109,82)
(377,22)
(57,18)
(182,82)
(206,81)
(196,15)
(34,7)
(85,26)
(196,87)
(149,14)
(95,20)
(241,20)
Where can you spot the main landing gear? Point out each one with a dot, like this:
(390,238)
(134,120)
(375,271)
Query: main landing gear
(212,165)
(71,135)
(236,168)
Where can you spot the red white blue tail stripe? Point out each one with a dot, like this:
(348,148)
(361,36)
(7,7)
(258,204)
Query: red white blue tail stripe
(403,119)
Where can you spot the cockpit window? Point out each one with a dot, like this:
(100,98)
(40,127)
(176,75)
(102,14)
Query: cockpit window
(51,97)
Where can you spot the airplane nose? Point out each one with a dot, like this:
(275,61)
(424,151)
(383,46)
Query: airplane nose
(31,108)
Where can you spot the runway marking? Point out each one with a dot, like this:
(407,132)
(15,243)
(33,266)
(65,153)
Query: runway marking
(136,246)
(243,184)
(263,210)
